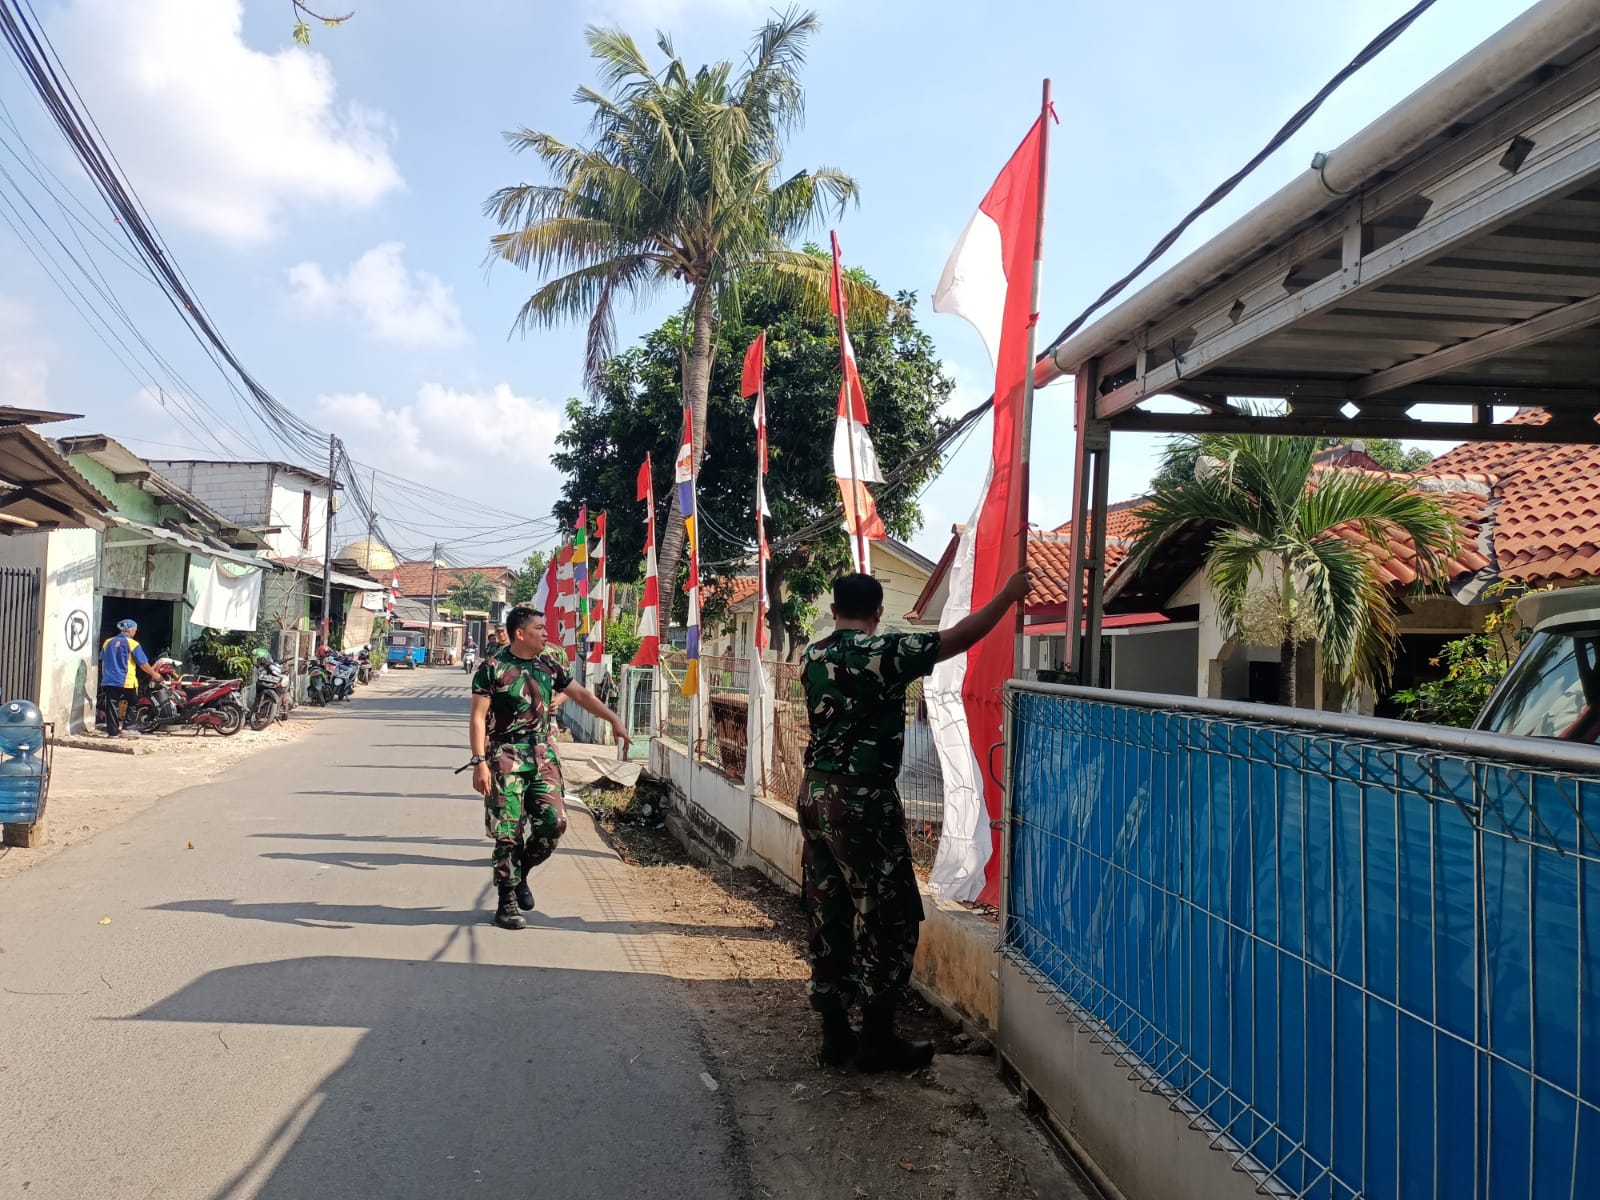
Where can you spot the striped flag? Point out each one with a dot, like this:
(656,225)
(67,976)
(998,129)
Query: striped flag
(754,384)
(855,461)
(567,603)
(597,618)
(683,472)
(649,653)
(580,570)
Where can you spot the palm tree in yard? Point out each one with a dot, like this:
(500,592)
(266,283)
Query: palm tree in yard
(680,183)
(1282,562)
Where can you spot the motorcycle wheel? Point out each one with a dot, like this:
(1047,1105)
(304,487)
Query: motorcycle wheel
(232,714)
(144,719)
(262,715)
(315,695)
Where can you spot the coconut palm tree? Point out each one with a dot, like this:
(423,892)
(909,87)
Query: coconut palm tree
(1281,561)
(680,183)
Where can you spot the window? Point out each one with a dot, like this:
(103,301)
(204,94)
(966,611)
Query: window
(305,521)
(1552,690)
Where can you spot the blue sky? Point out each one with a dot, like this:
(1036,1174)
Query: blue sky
(325,203)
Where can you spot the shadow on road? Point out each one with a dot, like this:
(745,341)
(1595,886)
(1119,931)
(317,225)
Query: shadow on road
(383,838)
(478,1080)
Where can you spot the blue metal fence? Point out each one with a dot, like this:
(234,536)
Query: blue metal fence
(1367,966)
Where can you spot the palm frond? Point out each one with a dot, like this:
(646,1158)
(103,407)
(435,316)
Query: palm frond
(588,292)
(1381,508)
(1354,611)
(1235,557)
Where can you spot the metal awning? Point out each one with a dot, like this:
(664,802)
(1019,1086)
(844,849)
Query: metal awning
(155,533)
(41,490)
(1449,254)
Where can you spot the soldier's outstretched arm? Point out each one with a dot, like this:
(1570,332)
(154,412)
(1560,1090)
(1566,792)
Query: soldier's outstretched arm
(971,629)
(590,703)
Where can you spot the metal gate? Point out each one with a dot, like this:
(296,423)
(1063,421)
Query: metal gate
(20,632)
(638,707)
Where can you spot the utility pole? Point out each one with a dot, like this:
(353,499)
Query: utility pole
(327,547)
(433,598)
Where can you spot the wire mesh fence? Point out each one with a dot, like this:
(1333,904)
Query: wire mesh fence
(1367,970)
(675,721)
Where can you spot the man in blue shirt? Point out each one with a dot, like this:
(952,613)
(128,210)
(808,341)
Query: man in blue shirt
(121,660)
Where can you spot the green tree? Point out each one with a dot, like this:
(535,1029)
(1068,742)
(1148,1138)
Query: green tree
(636,411)
(1473,666)
(1180,454)
(1281,572)
(524,583)
(681,182)
(472,593)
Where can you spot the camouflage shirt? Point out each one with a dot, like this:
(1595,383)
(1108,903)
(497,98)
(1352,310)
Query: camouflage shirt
(855,686)
(519,691)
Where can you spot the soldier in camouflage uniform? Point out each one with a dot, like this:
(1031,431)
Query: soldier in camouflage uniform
(857,862)
(514,766)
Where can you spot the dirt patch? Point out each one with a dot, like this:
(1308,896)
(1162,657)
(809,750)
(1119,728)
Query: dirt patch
(952,1131)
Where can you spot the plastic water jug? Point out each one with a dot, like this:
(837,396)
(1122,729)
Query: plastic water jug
(21,728)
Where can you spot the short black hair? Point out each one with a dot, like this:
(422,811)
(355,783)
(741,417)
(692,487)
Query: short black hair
(857,597)
(520,616)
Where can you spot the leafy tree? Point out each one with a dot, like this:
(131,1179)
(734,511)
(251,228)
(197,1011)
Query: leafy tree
(471,593)
(637,411)
(1473,666)
(1280,572)
(681,182)
(622,638)
(1180,454)
(523,585)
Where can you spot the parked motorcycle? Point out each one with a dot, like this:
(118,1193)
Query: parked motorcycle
(173,700)
(274,696)
(364,665)
(333,676)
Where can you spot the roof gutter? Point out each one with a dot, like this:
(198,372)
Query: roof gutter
(1523,47)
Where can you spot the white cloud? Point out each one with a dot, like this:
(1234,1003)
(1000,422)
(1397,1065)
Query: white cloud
(24,356)
(394,304)
(227,139)
(444,433)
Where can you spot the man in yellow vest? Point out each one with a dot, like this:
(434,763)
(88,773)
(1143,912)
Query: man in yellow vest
(121,660)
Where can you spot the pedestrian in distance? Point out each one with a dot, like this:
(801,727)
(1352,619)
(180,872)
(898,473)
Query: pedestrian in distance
(122,660)
(860,892)
(513,767)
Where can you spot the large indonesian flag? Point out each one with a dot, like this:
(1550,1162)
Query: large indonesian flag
(855,461)
(988,280)
(649,653)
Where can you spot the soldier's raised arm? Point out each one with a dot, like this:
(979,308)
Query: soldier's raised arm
(971,629)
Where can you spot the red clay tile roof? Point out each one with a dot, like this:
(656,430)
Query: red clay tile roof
(1547,516)
(416,578)
(740,589)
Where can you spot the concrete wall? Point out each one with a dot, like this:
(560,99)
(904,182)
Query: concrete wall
(259,495)
(69,678)
(287,509)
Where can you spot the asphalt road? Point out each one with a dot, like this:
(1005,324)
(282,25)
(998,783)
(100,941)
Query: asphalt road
(311,1001)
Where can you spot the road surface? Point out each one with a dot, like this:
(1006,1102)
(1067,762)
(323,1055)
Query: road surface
(311,1002)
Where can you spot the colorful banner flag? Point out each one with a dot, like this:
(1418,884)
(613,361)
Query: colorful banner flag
(855,461)
(649,653)
(988,281)
(580,569)
(683,473)
(597,619)
(754,384)
(567,602)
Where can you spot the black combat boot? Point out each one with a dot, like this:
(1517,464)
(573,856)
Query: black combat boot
(882,1049)
(838,1039)
(507,916)
(524,896)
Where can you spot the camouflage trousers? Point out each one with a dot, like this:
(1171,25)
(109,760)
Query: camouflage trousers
(520,818)
(860,892)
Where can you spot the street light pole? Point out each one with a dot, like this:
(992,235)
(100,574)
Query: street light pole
(433,598)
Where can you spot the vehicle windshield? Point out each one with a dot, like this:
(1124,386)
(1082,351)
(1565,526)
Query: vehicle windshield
(1552,690)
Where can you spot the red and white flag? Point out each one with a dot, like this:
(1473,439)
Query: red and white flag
(567,602)
(988,280)
(599,609)
(649,652)
(855,462)
(754,384)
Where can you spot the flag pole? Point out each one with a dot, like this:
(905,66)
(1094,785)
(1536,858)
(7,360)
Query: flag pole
(854,506)
(1025,430)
